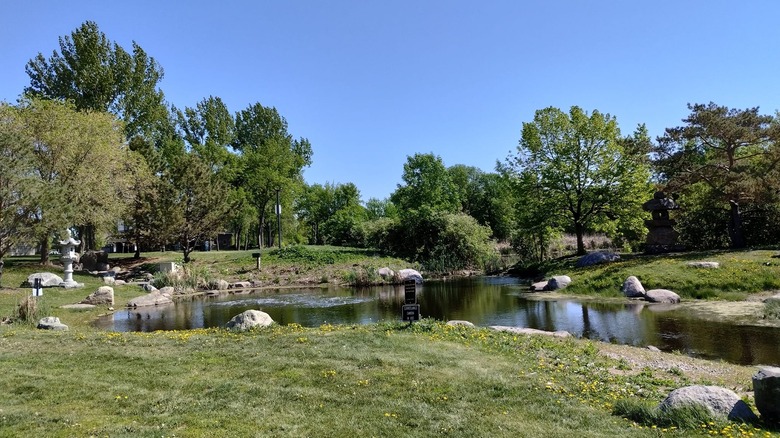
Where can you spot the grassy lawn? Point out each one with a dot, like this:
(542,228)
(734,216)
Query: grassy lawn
(377,380)
(741,273)
(386,379)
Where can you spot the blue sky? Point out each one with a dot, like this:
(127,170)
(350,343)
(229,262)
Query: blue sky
(371,82)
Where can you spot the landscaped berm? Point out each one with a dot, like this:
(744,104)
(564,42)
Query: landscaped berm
(429,378)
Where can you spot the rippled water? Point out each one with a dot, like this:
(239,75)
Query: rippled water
(484,301)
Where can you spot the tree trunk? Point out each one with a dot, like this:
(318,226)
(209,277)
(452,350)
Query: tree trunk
(579,230)
(137,243)
(735,226)
(2,263)
(44,248)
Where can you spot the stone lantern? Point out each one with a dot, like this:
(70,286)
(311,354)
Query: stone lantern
(69,255)
(661,236)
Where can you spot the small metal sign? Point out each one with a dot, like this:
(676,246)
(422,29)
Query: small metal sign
(410,312)
(37,290)
(410,292)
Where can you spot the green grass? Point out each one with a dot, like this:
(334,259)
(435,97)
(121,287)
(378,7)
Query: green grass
(379,380)
(740,274)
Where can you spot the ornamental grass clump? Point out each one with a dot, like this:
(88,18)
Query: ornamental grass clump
(29,310)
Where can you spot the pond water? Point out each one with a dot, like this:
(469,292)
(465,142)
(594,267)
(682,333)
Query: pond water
(484,301)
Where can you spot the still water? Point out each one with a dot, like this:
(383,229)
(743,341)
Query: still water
(484,301)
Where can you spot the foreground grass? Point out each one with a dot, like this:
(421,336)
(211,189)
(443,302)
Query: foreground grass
(390,379)
(741,273)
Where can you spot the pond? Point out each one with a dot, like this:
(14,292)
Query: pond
(484,301)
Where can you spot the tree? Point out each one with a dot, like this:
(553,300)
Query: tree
(73,193)
(198,202)
(333,213)
(427,184)
(484,196)
(270,159)
(384,208)
(581,168)
(98,75)
(18,184)
(734,153)
(209,130)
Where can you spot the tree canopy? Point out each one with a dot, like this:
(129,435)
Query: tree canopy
(576,167)
(733,153)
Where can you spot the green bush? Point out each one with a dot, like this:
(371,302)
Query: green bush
(188,278)
(30,310)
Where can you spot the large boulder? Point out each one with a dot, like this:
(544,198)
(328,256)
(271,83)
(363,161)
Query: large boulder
(662,296)
(530,331)
(539,286)
(410,274)
(596,258)
(47,279)
(91,259)
(103,296)
(558,282)
(720,402)
(458,322)
(248,320)
(386,273)
(766,390)
(51,323)
(241,285)
(155,298)
(632,288)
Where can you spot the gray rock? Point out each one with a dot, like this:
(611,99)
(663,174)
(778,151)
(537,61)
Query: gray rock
(385,273)
(222,285)
(248,320)
(596,258)
(766,390)
(119,282)
(109,280)
(410,274)
(78,306)
(720,402)
(558,282)
(530,331)
(47,279)
(456,322)
(155,298)
(704,265)
(654,349)
(104,295)
(148,287)
(632,288)
(539,286)
(51,323)
(241,285)
(773,299)
(662,296)
(167,291)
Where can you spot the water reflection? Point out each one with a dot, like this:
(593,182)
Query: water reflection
(484,301)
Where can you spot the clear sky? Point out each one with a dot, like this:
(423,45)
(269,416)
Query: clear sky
(370,82)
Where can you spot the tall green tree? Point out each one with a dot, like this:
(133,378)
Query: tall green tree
(486,197)
(99,75)
(581,169)
(198,202)
(19,187)
(72,192)
(209,130)
(426,185)
(271,159)
(733,153)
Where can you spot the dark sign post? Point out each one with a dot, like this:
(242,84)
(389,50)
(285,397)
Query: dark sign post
(37,289)
(411,310)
